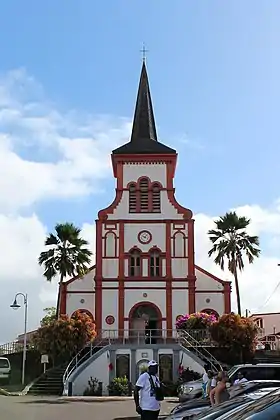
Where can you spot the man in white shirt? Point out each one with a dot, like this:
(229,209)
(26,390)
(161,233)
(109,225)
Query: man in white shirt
(144,394)
(240,379)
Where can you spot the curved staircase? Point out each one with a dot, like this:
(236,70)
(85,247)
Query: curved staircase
(199,348)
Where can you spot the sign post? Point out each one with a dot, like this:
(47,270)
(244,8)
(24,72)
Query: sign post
(45,361)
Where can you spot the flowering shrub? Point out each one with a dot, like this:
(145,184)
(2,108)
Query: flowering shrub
(235,332)
(64,337)
(196,321)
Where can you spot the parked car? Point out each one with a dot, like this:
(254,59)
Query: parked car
(266,408)
(251,392)
(198,405)
(5,370)
(258,371)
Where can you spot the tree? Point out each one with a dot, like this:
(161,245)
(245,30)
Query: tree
(49,317)
(236,334)
(62,338)
(67,255)
(231,242)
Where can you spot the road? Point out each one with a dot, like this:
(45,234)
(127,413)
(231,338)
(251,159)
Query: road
(45,408)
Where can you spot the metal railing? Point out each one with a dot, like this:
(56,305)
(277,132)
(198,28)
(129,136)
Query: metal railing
(197,338)
(189,340)
(13,347)
(84,355)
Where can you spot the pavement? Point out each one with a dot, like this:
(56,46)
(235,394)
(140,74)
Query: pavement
(48,408)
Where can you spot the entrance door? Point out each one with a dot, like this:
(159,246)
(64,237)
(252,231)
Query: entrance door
(151,332)
(144,323)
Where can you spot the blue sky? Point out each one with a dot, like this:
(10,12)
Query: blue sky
(71,70)
(214,74)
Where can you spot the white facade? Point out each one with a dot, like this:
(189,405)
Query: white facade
(98,369)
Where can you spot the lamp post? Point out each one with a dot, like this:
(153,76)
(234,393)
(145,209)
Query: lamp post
(15,305)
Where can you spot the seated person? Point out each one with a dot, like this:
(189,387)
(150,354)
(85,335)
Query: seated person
(240,379)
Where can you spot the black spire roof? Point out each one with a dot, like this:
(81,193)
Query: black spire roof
(144,135)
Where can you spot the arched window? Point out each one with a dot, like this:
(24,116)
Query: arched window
(135,263)
(156,198)
(144,195)
(155,264)
(132,198)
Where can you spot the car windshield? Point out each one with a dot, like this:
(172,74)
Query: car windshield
(4,363)
(224,407)
(258,406)
(231,370)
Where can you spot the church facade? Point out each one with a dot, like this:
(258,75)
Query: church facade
(145,274)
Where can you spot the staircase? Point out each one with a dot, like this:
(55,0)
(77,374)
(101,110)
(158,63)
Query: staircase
(200,350)
(50,383)
(88,351)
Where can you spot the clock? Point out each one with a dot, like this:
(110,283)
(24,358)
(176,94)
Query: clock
(144,237)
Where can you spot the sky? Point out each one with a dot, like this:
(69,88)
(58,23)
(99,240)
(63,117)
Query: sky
(69,73)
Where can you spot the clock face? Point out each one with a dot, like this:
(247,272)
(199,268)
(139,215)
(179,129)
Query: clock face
(144,237)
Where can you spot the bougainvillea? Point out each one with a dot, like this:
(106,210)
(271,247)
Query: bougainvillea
(196,321)
(64,337)
(234,332)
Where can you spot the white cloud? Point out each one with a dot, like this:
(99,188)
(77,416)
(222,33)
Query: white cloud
(258,280)
(70,156)
(70,152)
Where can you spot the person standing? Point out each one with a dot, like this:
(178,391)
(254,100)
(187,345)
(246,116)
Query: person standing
(148,393)
(220,394)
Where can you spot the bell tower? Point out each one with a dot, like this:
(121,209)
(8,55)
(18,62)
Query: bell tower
(144,248)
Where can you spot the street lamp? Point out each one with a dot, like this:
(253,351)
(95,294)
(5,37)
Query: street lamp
(15,305)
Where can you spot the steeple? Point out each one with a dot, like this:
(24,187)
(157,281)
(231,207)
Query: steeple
(144,122)
(144,135)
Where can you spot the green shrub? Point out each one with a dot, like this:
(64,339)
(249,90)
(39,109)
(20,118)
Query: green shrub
(94,388)
(119,387)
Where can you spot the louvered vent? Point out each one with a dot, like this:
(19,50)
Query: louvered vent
(144,195)
(156,198)
(132,199)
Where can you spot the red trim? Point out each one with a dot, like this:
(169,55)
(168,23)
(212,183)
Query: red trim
(174,244)
(210,311)
(227,293)
(78,277)
(158,251)
(121,296)
(98,276)
(149,304)
(139,237)
(63,303)
(83,311)
(211,275)
(105,245)
(168,268)
(80,292)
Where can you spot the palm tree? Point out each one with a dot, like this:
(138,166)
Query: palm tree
(67,255)
(231,242)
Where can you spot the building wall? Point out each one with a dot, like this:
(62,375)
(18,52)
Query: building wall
(270,322)
(99,368)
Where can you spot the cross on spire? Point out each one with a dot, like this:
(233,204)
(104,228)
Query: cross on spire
(144,52)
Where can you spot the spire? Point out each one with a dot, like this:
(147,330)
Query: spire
(144,127)
(144,135)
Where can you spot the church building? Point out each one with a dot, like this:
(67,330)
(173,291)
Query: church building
(145,274)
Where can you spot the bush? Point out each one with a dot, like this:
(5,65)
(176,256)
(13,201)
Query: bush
(119,387)
(196,321)
(236,333)
(94,388)
(62,338)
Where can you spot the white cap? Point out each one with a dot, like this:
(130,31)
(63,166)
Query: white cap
(152,363)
